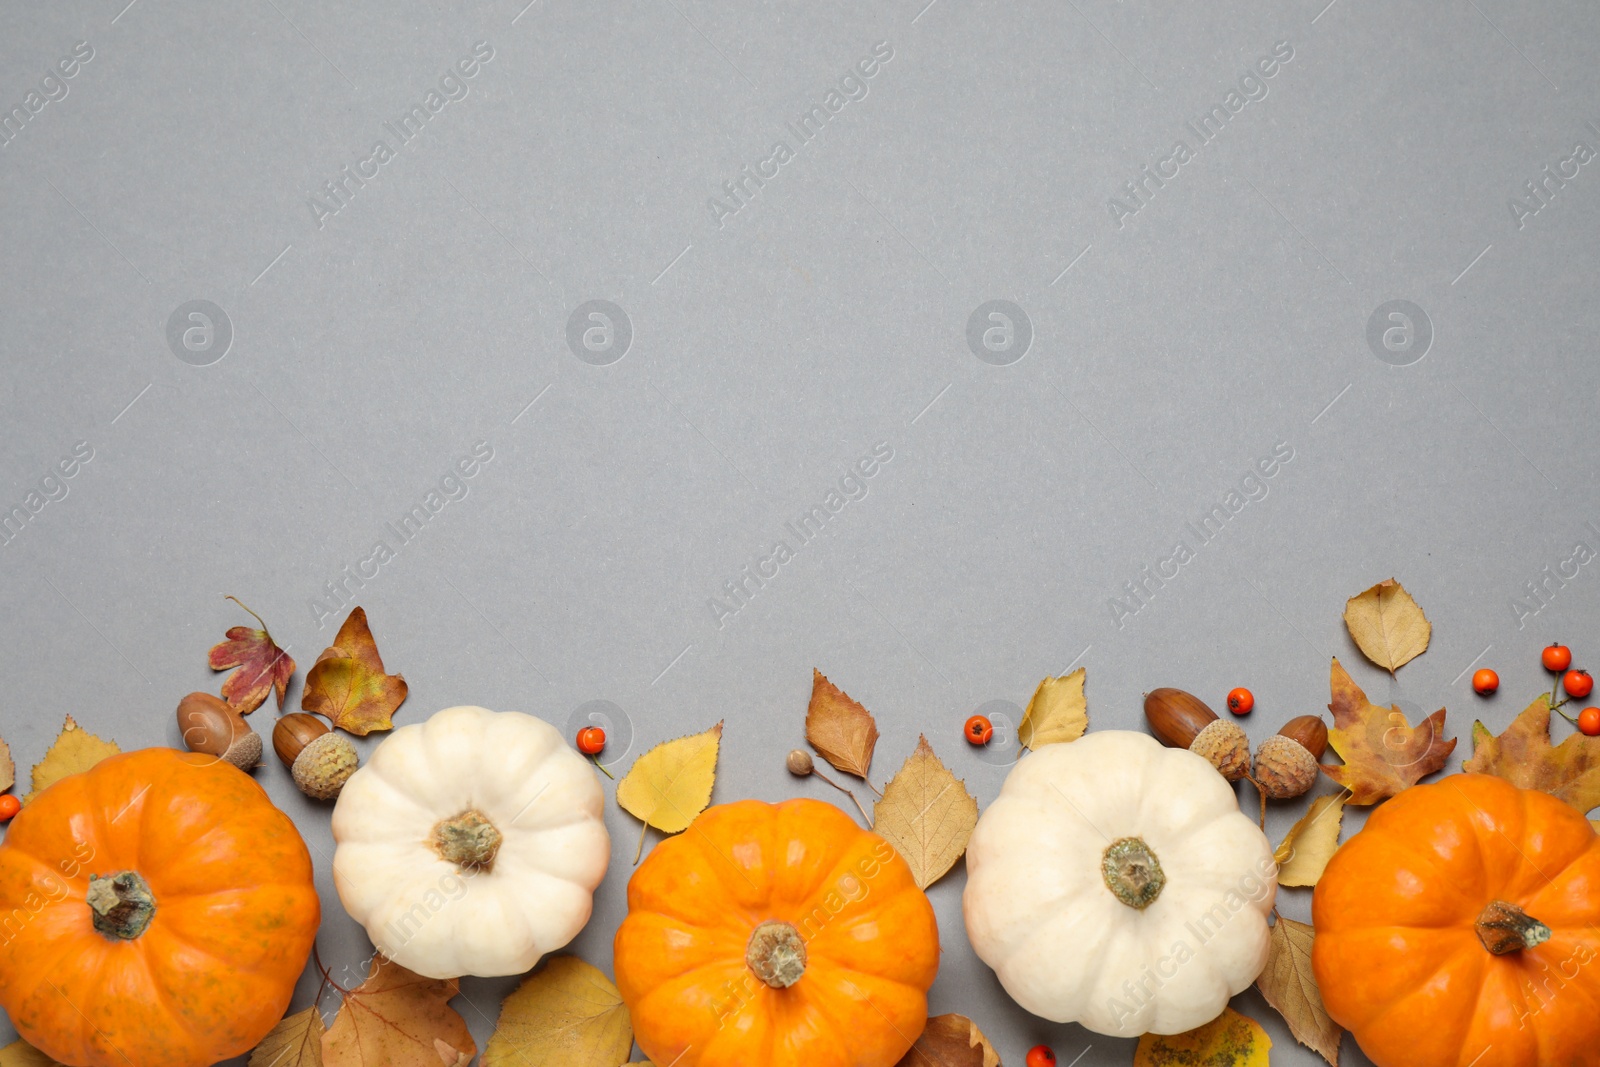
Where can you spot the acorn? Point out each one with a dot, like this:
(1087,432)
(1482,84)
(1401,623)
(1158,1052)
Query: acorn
(212,726)
(1286,763)
(1182,720)
(319,760)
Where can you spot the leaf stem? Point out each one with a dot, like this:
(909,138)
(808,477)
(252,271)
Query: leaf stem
(846,792)
(258,618)
(602,767)
(644,828)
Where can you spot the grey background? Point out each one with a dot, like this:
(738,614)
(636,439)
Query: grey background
(1227,316)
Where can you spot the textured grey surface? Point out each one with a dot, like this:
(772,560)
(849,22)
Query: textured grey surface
(777,339)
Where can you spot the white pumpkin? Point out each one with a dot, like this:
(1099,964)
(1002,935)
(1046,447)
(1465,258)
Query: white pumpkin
(1115,883)
(471,843)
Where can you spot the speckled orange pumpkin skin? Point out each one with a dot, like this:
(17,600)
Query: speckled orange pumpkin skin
(872,942)
(235,914)
(1397,953)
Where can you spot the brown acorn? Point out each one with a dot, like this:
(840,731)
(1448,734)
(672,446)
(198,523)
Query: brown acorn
(293,732)
(212,726)
(1286,763)
(1182,720)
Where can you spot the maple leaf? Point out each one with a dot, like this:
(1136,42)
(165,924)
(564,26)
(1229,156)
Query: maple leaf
(840,728)
(569,1012)
(927,814)
(1382,752)
(294,1042)
(1388,626)
(263,666)
(1229,1040)
(347,685)
(671,784)
(951,1041)
(74,749)
(1058,712)
(1289,986)
(1524,757)
(1310,843)
(398,1019)
(8,768)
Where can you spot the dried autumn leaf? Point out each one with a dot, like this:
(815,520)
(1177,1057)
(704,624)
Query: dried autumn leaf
(1291,988)
(951,1041)
(927,814)
(294,1042)
(1058,712)
(1311,842)
(8,768)
(1229,1040)
(398,1019)
(839,728)
(262,666)
(1382,752)
(1524,757)
(76,749)
(22,1054)
(1387,625)
(671,784)
(347,685)
(568,1013)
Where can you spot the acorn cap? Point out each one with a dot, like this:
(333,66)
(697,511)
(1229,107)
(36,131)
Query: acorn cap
(1226,746)
(324,765)
(1284,767)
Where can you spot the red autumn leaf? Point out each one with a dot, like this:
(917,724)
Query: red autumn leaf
(263,666)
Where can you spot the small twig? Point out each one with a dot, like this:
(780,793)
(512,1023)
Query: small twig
(603,770)
(847,793)
(1262,793)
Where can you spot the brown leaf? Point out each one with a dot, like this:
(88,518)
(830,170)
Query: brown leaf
(1291,988)
(927,814)
(568,1013)
(1388,626)
(951,1041)
(1311,842)
(1058,712)
(839,728)
(74,750)
(8,768)
(1382,752)
(398,1019)
(1229,1040)
(263,666)
(1524,757)
(347,685)
(294,1042)
(21,1054)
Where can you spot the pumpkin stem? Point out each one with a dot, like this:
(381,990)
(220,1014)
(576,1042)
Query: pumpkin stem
(1132,873)
(1505,928)
(121,903)
(469,841)
(776,953)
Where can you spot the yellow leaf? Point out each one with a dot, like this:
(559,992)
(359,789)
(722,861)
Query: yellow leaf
(1058,712)
(1291,988)
(839,727)
(568,1013)
(294,1042)
(348,685)
(75,750)
(1311,842)
(1229,1040)
(1387,625)
(951,1041)
(22,1054)
(927,814)
(671,784)
(8,768)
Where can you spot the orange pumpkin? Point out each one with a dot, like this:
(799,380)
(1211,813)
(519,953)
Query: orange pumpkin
(1459,927)
(155,911)
(778,935)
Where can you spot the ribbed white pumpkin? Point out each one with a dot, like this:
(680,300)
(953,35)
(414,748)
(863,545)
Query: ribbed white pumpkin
(427,794)
(1042,911)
